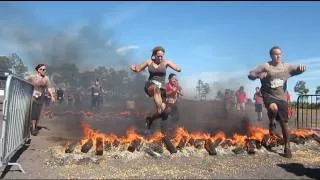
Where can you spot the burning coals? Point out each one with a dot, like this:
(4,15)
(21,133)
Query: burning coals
(95,144)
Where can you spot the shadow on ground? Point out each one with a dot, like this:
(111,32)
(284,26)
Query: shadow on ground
(14,159)
(299,170)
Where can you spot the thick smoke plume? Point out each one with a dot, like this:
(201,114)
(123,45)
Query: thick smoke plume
(84,42)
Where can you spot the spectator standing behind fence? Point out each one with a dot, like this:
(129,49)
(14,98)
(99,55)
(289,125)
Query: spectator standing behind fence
(47,98)
(258,103)
(241,99)
(96,94)
(60,95)
(70,98)
(234,99)
(40,82)
(227,101)
(78,98)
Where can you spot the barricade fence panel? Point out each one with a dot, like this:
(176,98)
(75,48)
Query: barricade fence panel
(17,113)
(308,111)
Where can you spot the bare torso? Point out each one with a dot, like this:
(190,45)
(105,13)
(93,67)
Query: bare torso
(40,83)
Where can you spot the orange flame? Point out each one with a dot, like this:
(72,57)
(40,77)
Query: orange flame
(301,132)
(157,136)
(199,135)
(255,133)
(130,136)
(179,134)
(217,135)
(238,139)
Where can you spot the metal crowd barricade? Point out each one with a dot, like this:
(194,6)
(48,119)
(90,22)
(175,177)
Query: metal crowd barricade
(308,112)
(16,110)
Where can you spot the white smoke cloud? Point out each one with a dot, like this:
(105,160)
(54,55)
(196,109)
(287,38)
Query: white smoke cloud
(123,50)
(125,14)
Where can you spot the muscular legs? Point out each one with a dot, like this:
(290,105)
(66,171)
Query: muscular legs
(158,100)
(272,114)
(156,94)
(285,134)
(160,106)
(151,118)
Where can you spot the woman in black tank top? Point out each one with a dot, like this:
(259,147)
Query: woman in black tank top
(157,66)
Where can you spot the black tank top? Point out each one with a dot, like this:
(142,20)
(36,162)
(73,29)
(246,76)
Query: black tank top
(158,74)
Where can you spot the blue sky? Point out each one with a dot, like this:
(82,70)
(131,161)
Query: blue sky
(213,41)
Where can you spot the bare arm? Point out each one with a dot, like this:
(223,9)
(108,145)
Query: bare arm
(103,91)
(140,67)
(296,70)
(173,66)
(50,88)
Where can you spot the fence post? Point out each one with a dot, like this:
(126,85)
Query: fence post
(16,118)
(307,120)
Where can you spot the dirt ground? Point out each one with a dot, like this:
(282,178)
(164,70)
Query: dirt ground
(42,159)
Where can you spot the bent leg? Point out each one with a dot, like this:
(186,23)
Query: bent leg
(150,119)
(272,114)
(158,100)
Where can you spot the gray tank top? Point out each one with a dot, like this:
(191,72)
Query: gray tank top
(274,81)
(157,74)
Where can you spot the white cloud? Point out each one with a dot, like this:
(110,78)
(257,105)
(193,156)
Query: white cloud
(108,43)
(310,78)
(123,50)
(313,72)
(307,61)
(312,68)
(124,14)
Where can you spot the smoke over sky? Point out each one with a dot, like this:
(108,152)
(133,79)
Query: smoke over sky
(86,42)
